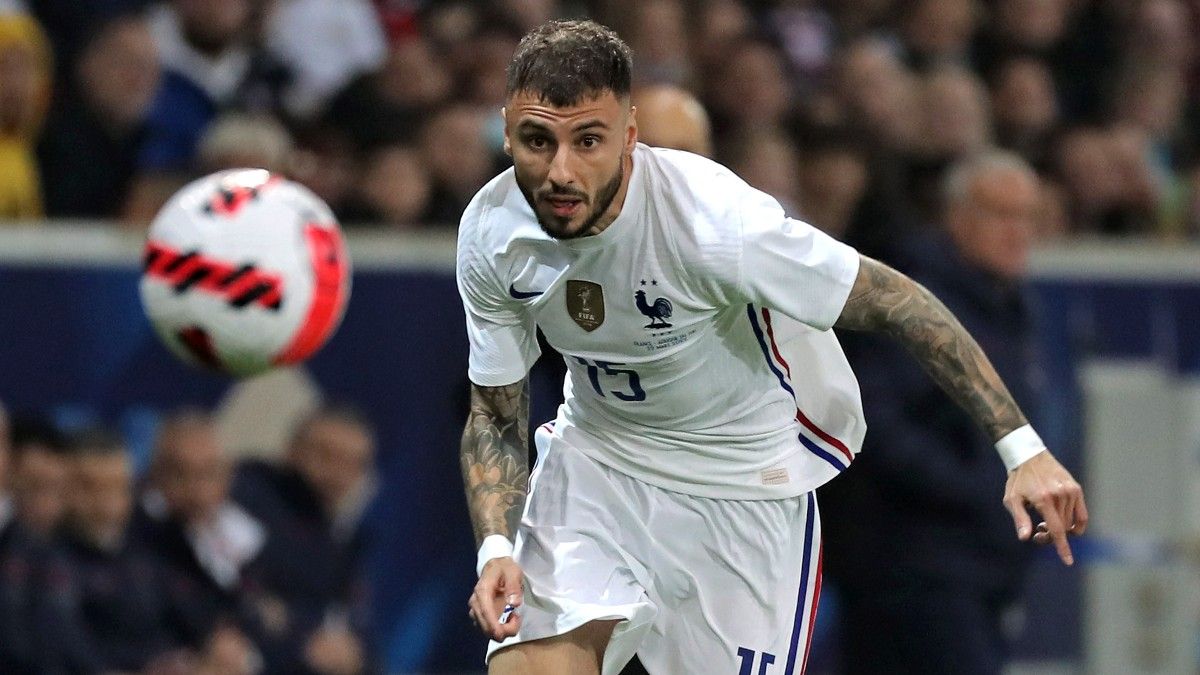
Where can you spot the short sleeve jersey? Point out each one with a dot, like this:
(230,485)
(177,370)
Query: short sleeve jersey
(695,329)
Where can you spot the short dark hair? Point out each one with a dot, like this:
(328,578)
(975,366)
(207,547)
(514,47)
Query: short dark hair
(565,62)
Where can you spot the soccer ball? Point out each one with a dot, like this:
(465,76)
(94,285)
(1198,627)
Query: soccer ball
(244,271)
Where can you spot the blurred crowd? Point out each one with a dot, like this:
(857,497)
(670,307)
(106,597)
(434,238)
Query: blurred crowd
(847,112)
(197,565)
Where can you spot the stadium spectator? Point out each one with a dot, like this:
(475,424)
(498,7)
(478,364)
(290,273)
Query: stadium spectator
(481,64)
(39,477)
(34,465)
(211,62)
(89,150)
(205,543)
(957,115)
(718,26)
(458,168)
(879,94)
(938,32)
(671,117)
(833,180)
(117,614)
(310,569)
(808,35)
(925,474)
(238,140)
(750,90)
(1110,188)
(767,159)
(323,45)
(657,31)
(1024,106)
(25,89)
(70,25)
(394,190)
(389,104)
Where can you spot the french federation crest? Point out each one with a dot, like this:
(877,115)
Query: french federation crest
(585,304)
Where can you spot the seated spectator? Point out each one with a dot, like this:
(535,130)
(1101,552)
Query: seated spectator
(1025,106)
(394,190)
(89,150)
(670,117)
(389,105)
(71,24)
(238,140)
(120,619)
(459,168)
(833,179)
(324,45)
(880,94)
(210,64)
(750,90)
(203,540)
(311,567)
(25,87)
(767,159)
(953,568)
(39,479)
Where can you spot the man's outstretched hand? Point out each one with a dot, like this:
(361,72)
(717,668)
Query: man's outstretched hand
(1043,483)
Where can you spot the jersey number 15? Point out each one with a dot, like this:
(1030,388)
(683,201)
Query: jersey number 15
(632,383)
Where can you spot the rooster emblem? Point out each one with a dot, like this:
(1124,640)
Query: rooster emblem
(659,312)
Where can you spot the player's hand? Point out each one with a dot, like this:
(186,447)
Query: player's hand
(499,585)
(1043,483)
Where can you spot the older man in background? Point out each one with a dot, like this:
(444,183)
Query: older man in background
(311,567)
(928,579)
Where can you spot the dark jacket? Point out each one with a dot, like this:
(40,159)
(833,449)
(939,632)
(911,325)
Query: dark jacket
(305,575)
(923,498)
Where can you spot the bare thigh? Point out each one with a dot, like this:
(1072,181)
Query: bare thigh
(580,652)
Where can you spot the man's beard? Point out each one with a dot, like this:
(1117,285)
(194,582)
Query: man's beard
(603,200)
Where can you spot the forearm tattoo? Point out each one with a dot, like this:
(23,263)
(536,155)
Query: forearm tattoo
(495,458)
(887,301)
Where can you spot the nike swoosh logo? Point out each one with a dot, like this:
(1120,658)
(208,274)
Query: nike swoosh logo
(522,295)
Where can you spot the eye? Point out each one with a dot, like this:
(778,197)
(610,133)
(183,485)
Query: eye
(537,142)
(590,141)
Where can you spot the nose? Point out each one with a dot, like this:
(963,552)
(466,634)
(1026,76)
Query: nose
(560,166)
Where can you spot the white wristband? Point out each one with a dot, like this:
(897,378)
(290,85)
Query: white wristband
(1018,446)
(493,546)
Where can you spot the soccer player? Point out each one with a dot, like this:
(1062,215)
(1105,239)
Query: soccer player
(671,511)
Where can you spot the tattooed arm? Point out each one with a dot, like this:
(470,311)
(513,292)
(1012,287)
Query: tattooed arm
(884,300)
(495,466)
(495,458)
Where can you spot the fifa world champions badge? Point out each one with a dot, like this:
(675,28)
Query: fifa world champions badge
(585,303)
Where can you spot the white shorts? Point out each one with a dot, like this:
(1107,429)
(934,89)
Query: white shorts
(701,585)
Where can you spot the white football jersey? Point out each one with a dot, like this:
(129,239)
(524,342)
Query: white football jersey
(695,329)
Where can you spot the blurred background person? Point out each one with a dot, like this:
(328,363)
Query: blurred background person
(314,595)
(671,117)
(39,475)
(834,178)
(323,45)
(951,569)
(1024,107)
(239,140)
(395,189)
(88,153)
(25,90)
(212,60)
(114,614)
(205,543)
